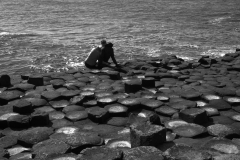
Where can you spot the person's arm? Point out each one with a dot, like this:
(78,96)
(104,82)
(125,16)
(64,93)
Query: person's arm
(113,58)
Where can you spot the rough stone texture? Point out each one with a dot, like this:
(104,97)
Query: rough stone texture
(34,135)
(183,152)
(147,135)
(78,139)
(194,115)
(96,153)
(48,148)
(220,130)
(143,153)
(189,130)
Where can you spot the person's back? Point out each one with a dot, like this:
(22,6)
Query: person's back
(93,57)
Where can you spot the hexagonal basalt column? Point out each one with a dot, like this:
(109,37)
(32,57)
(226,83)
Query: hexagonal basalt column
(147,135)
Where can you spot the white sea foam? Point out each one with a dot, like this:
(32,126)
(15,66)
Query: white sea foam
(219,20)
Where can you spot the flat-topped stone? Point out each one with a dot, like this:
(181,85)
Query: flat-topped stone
(143,153)
(219,104)
(220,130)
(48,148)
(76,115)
(171,124)
(96,153)
(50,95)
(151,104)
(166,110)
(78,139)
(117,110)
(189,130)
(184,152)
(34,135)
(224,146)
(194,115)
(59,104)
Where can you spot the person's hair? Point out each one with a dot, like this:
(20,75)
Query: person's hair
(103,42)
(110,45)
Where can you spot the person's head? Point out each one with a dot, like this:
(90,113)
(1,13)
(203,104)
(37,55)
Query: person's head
(110,45)
(103,42)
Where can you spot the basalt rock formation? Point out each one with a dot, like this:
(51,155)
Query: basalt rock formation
(158,108)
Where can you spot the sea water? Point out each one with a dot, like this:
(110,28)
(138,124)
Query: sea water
(54,35)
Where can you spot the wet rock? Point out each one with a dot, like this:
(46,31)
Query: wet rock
(143,153)
(56,115)
(77,100)
(57,83)
(68,130)
(65,157)
(24,86)
(59,105)
(151,104)
(96,153)
(7,96)
(21,156)
(209,97)
(90,103)
(34,135)
(144,116)
(70,93)
(46,109)
(117,110)
(98,115)
(222,145)
(148,82)
(4,118)
(106,100)
(211,111)
(78,139)
(166,111)
(39,118)
(219,104)
(50,95)
(227,157)
(36,102)
(73,108)
(189,130)
(18,121)
(16,150)
(58,123)
(130,103)
(76,115)
(147,135)
(133,86)
(36,80)
(190,94)
(221,120)
(183,104)
(233,100)
(220,130)
(8,141)
(118,121)
(22,107)
(194,115)
(183,152)
(5,81)
(174,123)
(49,148)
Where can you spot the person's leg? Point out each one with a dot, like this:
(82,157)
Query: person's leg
(89,66)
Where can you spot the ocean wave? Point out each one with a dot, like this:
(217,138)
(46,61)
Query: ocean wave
(219,20)
(219,52)
(10,34)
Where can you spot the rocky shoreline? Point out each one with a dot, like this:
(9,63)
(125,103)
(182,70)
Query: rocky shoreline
(163,108)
